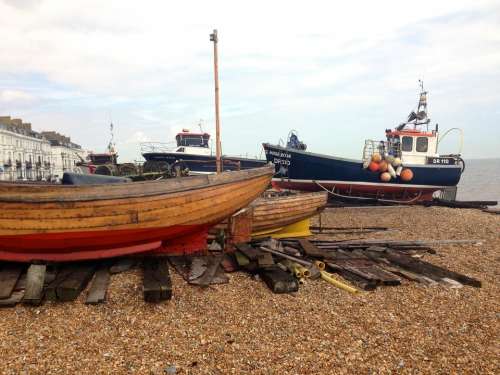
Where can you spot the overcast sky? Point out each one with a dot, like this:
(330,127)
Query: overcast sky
(337,72)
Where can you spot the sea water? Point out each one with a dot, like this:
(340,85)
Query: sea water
(480,181)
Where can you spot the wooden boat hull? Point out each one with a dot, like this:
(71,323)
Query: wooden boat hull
(278,212)
(96,221)
(267,215)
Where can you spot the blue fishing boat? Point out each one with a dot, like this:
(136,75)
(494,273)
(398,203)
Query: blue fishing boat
(405,167)
(191,151)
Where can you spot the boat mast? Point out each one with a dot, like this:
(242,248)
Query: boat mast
(214,38)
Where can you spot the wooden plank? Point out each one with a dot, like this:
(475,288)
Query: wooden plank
(278,280)
(156,280)
(370,266)
(428,269)
(9,274)
(198,267)
(75,282)
(249,251)
(59,274)
(213,263)
(99,286)
(312,250)
(385,264)
(13,300)
(265,260)
(35,278)
(241,259)
(353,278)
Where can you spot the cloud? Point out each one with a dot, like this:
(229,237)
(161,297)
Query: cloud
(150,65)
(23,4)
(9,96)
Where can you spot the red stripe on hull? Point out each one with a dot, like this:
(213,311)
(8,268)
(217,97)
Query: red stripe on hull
(361,190)
(71,246)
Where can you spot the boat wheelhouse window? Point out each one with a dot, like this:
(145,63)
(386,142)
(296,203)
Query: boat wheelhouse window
(192,140)
(407,144)
(422,144)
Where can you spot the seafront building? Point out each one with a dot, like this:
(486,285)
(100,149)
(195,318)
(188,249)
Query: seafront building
(28,155)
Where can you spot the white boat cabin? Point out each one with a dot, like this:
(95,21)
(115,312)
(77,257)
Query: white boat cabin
(412,146)
(411,141)
(186,143)
(192,143)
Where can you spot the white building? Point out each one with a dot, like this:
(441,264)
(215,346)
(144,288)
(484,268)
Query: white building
(65,155)
(28,155)
(24,154)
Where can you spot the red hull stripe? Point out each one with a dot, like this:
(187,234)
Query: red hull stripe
(77,255)
(91,240)
(74,246)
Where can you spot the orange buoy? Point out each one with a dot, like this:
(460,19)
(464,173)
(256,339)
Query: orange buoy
(406,174)
(383,166)
(386,176)
(376,157)
(373,166)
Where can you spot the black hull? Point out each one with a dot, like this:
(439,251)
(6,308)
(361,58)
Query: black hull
(301,170)
(204,163)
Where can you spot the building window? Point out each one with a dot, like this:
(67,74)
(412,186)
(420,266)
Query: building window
(407,144)
(422,144)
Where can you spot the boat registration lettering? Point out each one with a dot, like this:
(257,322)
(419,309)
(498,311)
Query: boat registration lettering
(279,154)
(278,161)
(442,161)
(280,158)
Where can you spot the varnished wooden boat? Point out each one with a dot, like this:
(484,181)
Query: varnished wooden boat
(63,223)
(273,213)
(269,214)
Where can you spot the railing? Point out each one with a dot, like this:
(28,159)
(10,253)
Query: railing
(147,147)
(381,147)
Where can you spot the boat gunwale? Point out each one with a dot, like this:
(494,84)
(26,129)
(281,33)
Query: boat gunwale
(199,182)
(302,196)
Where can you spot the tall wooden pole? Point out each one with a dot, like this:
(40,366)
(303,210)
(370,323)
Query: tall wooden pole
(214,38)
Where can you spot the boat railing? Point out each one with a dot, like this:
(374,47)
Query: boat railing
(381,147)
(148,147)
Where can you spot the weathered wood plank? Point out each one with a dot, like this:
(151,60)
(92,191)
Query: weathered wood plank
(9,274)
(59,274)
(220,277)
(198,267)
(428,269)
(249,251)
(213,263)
(265,260)
(312,250)
(35,278)
(99,286)
(353,278)
(157,285)
(13,300)
(75,282)
(278,280)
